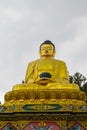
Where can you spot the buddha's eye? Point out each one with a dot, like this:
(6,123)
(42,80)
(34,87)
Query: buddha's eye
(43,49)
(49,48)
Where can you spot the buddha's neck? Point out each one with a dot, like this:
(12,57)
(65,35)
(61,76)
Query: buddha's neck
(46,57)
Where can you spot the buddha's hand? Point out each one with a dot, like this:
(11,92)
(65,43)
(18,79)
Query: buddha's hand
(44,78)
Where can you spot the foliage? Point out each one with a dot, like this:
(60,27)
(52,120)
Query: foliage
(79,79)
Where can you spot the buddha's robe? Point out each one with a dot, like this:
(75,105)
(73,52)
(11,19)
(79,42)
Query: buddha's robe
(56,68)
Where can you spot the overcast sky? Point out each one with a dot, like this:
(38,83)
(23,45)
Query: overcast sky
(25,24)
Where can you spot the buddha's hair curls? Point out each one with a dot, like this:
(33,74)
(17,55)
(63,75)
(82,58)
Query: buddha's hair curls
(47,42)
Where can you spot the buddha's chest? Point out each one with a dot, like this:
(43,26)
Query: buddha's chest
(46,65)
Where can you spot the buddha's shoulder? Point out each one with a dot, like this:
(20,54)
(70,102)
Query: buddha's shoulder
(33,62)
(60,61)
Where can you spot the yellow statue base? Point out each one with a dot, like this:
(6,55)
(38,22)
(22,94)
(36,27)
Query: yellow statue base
(52,93)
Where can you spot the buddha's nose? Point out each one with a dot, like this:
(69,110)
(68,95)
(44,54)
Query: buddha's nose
(46,51)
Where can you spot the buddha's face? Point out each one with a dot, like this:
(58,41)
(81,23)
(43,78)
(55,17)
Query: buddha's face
(47,50)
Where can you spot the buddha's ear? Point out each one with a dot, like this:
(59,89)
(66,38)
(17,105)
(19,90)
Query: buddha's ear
(39,52)
(54,52)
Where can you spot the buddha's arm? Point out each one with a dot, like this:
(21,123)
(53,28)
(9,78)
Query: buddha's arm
(29,73)
(63,72)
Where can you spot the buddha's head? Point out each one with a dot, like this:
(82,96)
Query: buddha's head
(47,49)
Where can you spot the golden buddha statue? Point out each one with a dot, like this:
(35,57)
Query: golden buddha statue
(46,69)
(46,81)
